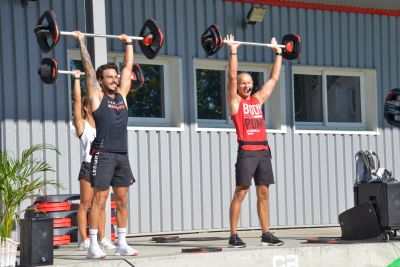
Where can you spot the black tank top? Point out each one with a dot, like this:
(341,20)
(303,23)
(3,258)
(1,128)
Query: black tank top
(111,125)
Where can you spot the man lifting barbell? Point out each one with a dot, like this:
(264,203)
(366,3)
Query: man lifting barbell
(110,163)
(254,154)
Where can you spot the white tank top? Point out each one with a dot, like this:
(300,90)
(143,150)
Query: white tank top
(87,137)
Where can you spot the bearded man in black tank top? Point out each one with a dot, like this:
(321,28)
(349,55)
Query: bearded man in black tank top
(110,164)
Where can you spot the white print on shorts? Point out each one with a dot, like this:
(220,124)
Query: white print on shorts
(95,161)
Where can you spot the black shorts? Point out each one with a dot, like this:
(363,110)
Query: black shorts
(110,169)
(84,172)
(255,164)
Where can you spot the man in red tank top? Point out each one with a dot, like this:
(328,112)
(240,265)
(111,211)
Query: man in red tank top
(254,156)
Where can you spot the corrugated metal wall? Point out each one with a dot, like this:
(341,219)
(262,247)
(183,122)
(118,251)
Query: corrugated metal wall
(186,178)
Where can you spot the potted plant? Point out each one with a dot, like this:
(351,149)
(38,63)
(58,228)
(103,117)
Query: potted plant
(19,180)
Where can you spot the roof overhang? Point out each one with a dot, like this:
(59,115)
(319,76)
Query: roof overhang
(388,8)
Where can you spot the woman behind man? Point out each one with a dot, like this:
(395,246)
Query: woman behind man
(86,132)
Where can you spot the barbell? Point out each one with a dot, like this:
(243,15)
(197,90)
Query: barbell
(48,34)
(212,41)
(48,72)
(392,107)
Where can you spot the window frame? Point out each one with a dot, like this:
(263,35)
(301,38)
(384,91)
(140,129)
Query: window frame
(367,96)
(172,83)
(221,66)
(227,124)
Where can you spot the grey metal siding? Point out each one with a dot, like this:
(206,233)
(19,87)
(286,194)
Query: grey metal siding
(185,179)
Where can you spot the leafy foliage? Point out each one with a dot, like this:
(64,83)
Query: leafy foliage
(147,101)
(210,94)
(18,182)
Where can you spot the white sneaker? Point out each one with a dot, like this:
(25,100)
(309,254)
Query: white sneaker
(106,244)
(95,252)
(125,250)
(84,245)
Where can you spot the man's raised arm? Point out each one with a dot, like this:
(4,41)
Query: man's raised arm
(126,72)
(90,73)
(231,90)
(267,88)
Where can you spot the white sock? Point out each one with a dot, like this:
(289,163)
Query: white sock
(121,236)
(93,237)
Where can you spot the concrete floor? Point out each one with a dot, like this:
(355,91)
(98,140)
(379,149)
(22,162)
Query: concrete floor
(295,252)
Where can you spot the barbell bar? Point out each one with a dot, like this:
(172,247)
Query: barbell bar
(140,38)
(48,34)
(212,41)
(254,44)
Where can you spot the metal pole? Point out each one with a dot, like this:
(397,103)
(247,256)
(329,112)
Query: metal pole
(101,35)
(72,72)
(255,44)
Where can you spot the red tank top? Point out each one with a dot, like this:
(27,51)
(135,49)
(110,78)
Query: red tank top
(250,124)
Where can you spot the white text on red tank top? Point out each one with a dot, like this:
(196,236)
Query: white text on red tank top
(253,111)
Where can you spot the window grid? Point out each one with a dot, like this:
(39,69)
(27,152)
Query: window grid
(325,74)
(168,114)
(257,71)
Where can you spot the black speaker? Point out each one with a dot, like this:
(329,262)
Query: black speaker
(385,198)
(360,222)
(36,242)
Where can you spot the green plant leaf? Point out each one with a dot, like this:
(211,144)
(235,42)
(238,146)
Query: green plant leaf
(19,181)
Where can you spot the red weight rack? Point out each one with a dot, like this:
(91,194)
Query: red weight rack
(62,211)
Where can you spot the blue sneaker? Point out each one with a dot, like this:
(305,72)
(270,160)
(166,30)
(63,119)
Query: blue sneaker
(236,242)
(268,239)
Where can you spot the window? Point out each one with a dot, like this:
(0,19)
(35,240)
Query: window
(147,102)
(150,106)
(308,99)
(210,86)
(333,99)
